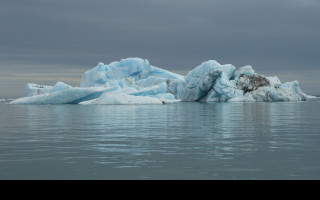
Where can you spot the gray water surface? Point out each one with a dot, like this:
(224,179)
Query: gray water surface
(179,141)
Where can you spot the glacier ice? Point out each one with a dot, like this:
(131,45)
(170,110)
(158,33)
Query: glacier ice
(118,98)
(135,68)
(135,81)
(246,70)
(69,96)
(199,81)
(34,89)
(122,99)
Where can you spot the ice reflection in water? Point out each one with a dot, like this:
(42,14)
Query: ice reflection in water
(181,141)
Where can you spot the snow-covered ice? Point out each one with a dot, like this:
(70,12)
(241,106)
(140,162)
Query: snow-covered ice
(135,81)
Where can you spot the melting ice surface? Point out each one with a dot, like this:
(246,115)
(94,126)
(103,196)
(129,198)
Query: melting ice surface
(135,81)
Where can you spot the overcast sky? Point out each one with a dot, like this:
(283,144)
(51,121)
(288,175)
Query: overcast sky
(44,41)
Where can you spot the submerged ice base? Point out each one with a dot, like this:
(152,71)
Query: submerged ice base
(135,81)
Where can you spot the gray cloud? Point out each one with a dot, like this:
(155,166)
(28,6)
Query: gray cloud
(270,35)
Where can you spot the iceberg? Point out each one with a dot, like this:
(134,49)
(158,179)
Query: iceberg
(135,81)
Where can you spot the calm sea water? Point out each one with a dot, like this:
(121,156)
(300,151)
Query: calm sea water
(179,141)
